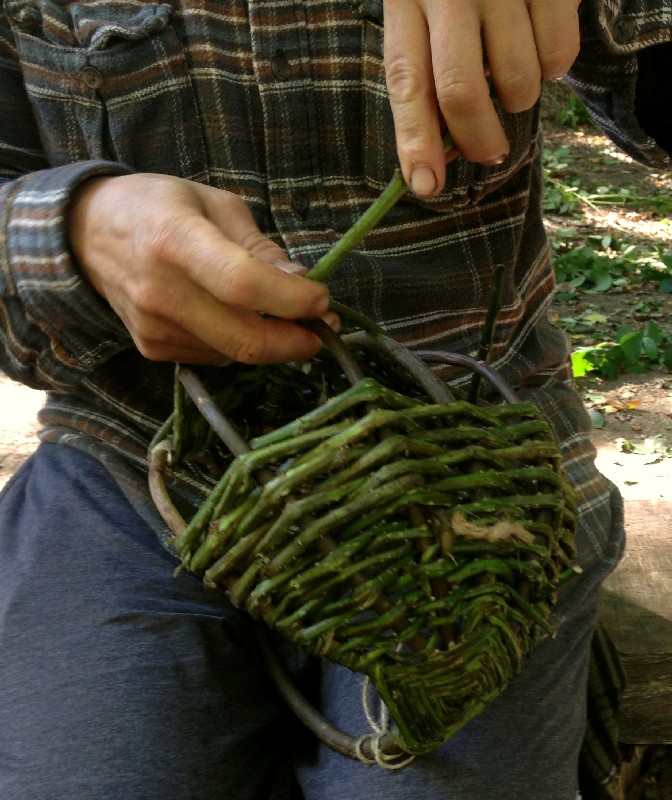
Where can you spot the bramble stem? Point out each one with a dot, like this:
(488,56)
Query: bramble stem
(392,193)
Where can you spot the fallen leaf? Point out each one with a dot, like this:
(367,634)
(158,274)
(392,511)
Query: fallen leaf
(596,418)
(621,404)
(594,318)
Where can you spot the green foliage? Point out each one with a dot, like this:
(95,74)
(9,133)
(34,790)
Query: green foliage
(560,197)
(590,266)
(655,203)
(565,194)
(632,351)
(660,272)
(599,264)
(573,114)
(585,267)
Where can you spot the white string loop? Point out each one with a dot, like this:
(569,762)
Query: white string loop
(380,725)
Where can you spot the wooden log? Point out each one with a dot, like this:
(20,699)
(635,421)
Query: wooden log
(637,611)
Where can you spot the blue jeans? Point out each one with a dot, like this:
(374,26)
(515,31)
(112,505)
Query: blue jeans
(122,681)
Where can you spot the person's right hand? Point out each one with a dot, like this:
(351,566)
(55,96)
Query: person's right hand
(437,56)
(189,273)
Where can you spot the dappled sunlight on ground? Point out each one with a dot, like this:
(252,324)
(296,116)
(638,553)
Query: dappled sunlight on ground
(18,425)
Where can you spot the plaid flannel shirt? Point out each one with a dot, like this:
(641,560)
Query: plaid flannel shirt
(283,103)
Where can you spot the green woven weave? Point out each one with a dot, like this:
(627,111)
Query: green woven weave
(416,542)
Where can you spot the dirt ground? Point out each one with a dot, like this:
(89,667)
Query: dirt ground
(18,425)
(632,414)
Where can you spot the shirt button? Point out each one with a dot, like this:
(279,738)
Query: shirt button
(300,204)
(91,77)
(624,29)
(280,66)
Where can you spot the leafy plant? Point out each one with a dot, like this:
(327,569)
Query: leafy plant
(560,197)
(598,263)
(591,269)
(589,266)
(632,351)
(660,272)
(563,193)
(573,114)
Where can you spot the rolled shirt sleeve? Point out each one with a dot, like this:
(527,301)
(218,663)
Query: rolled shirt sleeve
(57,328)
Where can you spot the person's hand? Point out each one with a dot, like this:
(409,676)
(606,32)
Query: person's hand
(189,273)
(437,57)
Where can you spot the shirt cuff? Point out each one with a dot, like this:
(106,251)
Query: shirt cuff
(58,319)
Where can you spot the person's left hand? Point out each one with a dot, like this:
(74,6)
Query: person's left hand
(437,57)
(190,274)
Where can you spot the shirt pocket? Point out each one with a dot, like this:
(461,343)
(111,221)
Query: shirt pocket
(111,81)
(466,182)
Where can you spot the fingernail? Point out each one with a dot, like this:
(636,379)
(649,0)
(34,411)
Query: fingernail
(423,181)
(495,162)
(332,320)
(290,266)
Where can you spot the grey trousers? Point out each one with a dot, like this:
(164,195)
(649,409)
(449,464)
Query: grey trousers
(122,681)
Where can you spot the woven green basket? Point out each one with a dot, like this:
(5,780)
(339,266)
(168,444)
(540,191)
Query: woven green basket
(366,514)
